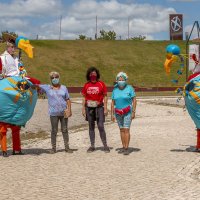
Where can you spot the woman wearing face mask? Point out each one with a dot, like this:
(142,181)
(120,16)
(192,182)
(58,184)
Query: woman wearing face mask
(123,108)
(59,109)
(94,106)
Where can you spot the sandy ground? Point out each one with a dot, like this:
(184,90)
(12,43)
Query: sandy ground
(161,165)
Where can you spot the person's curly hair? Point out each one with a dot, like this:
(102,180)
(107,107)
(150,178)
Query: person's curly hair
(92,69)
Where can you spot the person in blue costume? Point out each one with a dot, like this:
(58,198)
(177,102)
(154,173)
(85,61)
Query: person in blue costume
(192,100)
(18,99)
(123,108)
(191,89)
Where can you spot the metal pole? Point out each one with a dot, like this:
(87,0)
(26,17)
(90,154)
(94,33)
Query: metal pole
(198,29)
(187,50)
(60,27)
(128,28)
(96,29)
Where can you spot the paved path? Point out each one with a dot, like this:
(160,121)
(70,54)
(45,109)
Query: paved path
(161,165)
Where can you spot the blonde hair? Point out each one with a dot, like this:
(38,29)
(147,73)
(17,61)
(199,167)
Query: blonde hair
(52,74)
(9,44)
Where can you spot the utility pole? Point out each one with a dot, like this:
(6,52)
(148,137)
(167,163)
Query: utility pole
(96,29)
(128,28)
(60,27)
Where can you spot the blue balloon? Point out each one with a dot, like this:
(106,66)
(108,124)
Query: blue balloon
(174,49)
(16,107)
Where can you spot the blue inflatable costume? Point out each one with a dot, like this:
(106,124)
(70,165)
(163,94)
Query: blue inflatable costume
(18,98)
(191,90)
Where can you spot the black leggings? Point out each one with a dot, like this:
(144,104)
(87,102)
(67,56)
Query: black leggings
(92,115)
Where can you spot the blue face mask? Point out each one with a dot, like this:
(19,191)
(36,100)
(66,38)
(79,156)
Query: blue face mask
(55,81)
(121,83)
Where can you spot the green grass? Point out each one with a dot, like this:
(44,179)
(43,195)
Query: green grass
(141,60)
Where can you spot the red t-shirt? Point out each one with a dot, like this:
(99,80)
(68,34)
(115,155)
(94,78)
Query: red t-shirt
(94,91)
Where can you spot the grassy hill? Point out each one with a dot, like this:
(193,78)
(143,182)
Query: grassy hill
(141,60)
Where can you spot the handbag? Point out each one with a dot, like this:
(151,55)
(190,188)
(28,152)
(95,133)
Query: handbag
(92,104)
(123,111)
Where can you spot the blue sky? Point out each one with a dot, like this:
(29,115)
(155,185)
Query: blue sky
(146,17)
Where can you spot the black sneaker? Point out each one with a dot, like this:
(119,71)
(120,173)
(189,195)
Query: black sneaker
(5,154)
(52,151)
(17,153)
(91,149)
(121,151)
(126,152)
(68,150)
(20,153)
(106,149)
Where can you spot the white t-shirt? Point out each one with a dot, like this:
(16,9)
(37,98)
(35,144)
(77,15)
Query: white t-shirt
(9,65)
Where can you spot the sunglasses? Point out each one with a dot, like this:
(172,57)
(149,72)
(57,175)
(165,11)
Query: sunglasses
(55,77)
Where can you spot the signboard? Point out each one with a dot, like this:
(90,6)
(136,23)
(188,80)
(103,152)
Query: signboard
(176,26)
(194,54)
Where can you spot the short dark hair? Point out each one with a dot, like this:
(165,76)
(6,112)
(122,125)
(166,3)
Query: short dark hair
(92,69)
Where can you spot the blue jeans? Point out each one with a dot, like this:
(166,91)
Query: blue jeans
(124,121)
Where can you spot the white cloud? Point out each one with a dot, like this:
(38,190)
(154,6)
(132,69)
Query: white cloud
(22,8)
(188,29)
(112,15)
(80,18)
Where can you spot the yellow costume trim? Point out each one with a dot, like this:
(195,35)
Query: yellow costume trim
(196,98)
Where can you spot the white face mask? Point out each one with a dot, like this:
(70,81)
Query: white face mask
(121,83)
(55,81)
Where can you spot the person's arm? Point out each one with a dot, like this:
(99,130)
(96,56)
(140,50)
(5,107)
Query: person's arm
(83,92)
(112,111)
(134,103)
(105,98)
(69,108)
(83,107)
(105,103)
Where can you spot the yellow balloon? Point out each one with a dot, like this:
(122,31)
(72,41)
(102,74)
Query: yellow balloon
(168,62)
(26,47)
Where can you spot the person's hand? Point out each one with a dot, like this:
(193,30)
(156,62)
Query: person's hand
(70,113)
(83,112)
(34,87)
(67,113)
(105,111)
(133,115)
(113,118)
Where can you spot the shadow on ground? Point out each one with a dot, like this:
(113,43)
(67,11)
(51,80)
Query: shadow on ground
(188,149)
(38,151)
(130,149)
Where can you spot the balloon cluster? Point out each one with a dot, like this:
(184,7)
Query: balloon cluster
(173,55)
(173,52)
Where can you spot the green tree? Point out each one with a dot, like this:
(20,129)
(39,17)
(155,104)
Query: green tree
(140,38)
(82,37)
(104,35)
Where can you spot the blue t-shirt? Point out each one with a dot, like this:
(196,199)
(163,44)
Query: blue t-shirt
(56,99)
(123,98)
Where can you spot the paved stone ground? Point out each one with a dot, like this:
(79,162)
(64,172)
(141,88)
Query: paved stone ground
(161,165)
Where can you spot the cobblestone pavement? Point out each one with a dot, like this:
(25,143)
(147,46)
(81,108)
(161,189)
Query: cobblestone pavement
(162,164)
